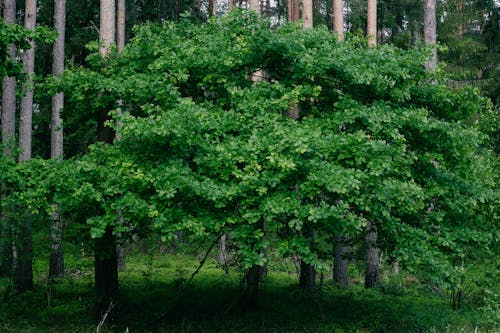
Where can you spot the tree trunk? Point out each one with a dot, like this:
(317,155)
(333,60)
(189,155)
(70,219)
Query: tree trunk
(5,247)
(106,268)
(307,279)
(22,276)
(8,134)
(255,5)
(56,262)
(430,31)
(338,19)
(23,270)
(371,24)
(212,8)
(416,33)
(107,28)
(307,13)
(253,278)
(120,25)
(293,10)
(395,268)
(372,256)
(26,120)
(340,267)
(222,257)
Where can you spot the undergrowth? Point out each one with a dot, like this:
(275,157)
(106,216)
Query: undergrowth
(149,301)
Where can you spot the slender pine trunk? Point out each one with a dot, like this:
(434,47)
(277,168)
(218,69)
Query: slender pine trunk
(105,264)
(8,135)
(430,31)
(56,261)
(307,13)
(338,19)
(23,270)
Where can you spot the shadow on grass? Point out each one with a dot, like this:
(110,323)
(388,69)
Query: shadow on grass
(151,299)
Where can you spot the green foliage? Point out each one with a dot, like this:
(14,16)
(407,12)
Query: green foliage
(13,34)
(204,150)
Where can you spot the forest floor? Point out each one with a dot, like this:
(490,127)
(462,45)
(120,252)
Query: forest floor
(152,299)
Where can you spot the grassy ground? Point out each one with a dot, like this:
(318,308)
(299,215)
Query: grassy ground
(149,301)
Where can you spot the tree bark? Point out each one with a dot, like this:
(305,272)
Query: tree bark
(340,267)
(293,10)
(120,25)
(212,8)
(23,270)
(107,28)
(307,13)
(371,24)
(56,262)
(8,134)
(372,256)
(395,268)
(430,31)
(222,257)
(120,41)
(338,19)
(106,268)
(255,5)
(26,120)
(307,279)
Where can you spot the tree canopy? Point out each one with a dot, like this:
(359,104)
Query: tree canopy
(204,150)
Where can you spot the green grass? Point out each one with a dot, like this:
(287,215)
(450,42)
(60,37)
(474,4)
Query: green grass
(150,289)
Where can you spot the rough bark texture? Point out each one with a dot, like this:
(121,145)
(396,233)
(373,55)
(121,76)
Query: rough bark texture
(56,262)
(338,19)
(307,279)
(372,256)
(105,265)
(23,271)
(230,5)
(120,41)
(26,120)
(8,131)
(340,268)
(307,13)
(9,85)
(430,30)
(293,11)
(371,24)
(120,25)
(56,143)
(107,26)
